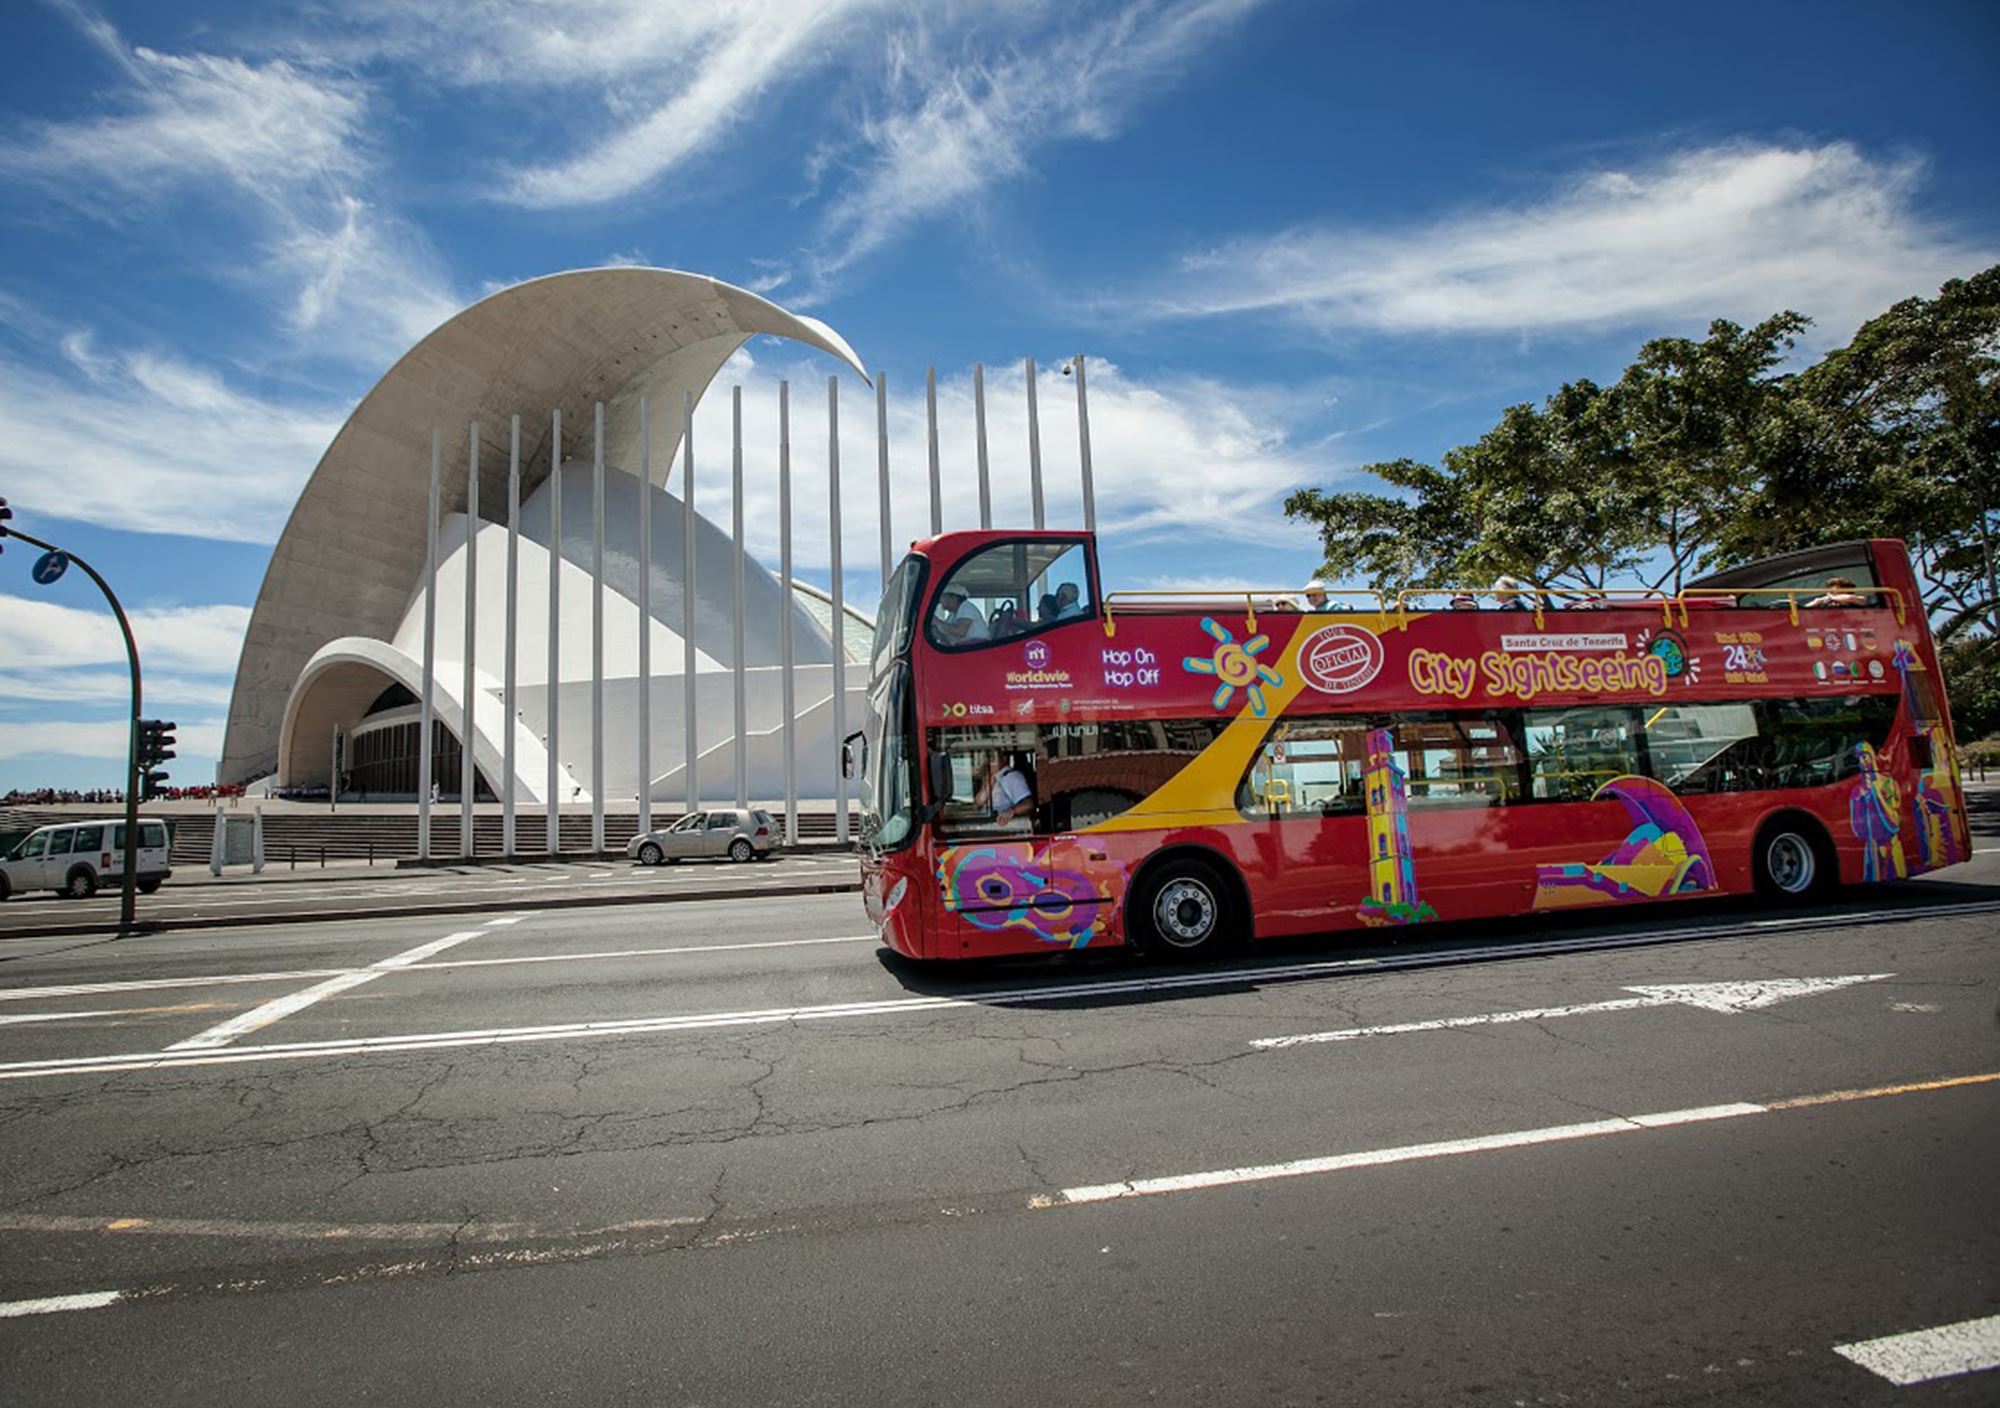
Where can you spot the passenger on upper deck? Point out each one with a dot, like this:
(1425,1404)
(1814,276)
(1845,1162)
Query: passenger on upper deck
(960,620)
(1067,601)
(1464,601)
(1839,592)
(1508,592)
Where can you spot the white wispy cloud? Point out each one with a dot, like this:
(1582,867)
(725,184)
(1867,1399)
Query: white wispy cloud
(198,740)
(110,687)
(278,147)
(1738,230)
(147,442)
(56,654)
(717,60)
(44,635)
(953,127)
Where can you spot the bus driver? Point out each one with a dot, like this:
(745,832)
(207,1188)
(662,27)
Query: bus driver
(959,620)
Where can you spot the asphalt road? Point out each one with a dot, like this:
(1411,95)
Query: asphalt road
(732,1152)
(282,894)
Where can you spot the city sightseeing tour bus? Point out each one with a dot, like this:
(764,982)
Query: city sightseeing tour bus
(1045,766)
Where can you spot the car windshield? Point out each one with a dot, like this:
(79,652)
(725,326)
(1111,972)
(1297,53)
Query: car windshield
(690,822)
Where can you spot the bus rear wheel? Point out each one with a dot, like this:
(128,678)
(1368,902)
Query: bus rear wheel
(1793,861)
(1184,912)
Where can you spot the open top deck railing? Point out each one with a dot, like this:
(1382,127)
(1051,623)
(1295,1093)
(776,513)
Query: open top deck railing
(1672,606)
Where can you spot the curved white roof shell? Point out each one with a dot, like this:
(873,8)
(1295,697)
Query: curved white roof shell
(353,551)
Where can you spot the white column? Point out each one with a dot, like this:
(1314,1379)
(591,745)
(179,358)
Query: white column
(1034,447)
(882,474)
(930,417)
(507,700)
(690,733)
(1083,449)
(429,710)
(468,770)
(742,746)
(597,639)
(554,741)
(979,430)
(839,605)
(645,617)
(785,614)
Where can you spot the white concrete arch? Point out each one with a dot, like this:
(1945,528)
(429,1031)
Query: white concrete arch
(344,676)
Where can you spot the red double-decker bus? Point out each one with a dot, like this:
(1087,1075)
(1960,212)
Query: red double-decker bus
(1045,766)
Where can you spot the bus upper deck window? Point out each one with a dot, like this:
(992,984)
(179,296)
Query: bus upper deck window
(1010,590)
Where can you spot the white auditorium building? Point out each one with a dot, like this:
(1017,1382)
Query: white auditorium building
(333,662)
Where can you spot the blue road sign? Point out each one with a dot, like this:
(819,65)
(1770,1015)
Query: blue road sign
(49,567)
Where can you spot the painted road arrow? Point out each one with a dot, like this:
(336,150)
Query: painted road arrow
(1712,997)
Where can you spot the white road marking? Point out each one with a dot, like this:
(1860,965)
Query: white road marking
(645,952)
(150,984)
(1715,997)
(509,919)
(1408,1153)
(294,975)
(1922,1355)
(1551,1134)
(278,1009)
(16,1020)
(89,1300)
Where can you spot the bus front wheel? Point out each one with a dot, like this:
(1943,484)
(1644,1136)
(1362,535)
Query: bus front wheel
(1793,860)
(1184,912)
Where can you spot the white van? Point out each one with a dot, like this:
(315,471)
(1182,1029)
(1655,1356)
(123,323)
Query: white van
(75,857)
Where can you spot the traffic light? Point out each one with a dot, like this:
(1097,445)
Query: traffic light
(156,746)
(5,514)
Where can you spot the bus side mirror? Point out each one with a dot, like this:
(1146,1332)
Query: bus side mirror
(853,758)
(940,778)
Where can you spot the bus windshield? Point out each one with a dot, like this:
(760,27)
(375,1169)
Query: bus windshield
(888,800)
(896,615)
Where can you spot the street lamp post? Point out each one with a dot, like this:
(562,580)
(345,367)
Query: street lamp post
(129,885)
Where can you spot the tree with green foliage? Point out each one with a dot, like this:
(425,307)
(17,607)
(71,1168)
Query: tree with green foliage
(1628,481)
(1706,453)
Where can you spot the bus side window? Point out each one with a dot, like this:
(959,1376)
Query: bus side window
(1308,766)
(1573,752)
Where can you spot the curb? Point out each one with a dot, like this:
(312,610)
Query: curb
(393,867)
(418,911)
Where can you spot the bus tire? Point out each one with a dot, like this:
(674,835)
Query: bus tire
(1185,911)
(81,884)
(1793,860)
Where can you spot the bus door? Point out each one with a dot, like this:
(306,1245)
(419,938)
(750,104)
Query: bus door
(1016,866)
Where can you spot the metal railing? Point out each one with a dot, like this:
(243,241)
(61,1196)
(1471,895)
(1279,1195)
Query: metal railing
(1672,606)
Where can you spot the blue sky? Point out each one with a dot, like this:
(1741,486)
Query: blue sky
(1294,238)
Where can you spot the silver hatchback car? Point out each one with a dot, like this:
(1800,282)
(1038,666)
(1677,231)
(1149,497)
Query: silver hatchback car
(725,832)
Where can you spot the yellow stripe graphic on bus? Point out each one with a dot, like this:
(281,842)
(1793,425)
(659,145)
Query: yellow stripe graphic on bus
(1204,792)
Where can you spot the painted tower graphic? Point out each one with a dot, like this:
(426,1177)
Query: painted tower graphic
(1943,837)
(1392,873)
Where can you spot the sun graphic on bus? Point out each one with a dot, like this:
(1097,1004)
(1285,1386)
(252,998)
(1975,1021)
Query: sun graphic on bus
(1236,666)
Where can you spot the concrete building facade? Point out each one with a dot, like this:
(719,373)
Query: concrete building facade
(331,683)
